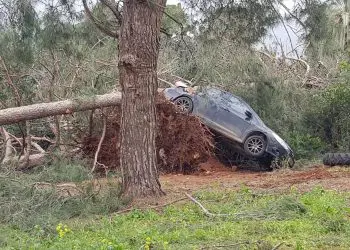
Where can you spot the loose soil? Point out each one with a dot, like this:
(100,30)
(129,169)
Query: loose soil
(214,174)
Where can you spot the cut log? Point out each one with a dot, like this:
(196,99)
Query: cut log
(41,110)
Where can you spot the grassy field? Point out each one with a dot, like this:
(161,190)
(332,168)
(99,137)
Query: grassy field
(319,219)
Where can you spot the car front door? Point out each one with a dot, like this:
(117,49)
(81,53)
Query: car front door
(232,117)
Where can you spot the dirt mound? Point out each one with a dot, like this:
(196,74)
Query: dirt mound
(182,141)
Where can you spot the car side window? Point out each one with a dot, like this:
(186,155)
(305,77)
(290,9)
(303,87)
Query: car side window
(235,104)
(226,100)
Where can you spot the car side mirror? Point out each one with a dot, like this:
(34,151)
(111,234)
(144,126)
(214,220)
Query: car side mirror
(249,115)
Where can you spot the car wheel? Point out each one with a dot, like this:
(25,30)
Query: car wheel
(255,145)
(184,104)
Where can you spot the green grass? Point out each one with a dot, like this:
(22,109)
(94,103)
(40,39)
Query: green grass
(25,203)
(315,220)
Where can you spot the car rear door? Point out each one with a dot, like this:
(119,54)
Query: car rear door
(206,107)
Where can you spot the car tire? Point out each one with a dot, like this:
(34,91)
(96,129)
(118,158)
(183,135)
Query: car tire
(255,146)
(336,159)
(184,104)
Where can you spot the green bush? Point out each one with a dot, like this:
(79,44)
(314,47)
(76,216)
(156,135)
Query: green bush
(305,145)
(328,116)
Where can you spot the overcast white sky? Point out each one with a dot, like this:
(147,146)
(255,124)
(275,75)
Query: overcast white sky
(172,1)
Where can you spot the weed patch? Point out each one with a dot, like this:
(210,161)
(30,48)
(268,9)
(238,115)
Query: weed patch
(313,220)
(29,200)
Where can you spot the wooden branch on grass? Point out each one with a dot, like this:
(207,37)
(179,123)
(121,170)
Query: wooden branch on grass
(209,214)
(278,246)
(206,211)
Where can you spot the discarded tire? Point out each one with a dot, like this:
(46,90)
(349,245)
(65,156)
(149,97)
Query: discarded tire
(339,159)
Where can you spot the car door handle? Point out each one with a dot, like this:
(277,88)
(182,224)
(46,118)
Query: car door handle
(226,109)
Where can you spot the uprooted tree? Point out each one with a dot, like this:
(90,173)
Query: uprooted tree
(139,35)
(182,142)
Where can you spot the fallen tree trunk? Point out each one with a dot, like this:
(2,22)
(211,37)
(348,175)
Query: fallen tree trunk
(41,110)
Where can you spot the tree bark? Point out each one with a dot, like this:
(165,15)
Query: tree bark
(138,54)
(41,110)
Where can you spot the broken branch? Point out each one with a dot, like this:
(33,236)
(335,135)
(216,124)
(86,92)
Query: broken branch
(10,83)
(98,23)
(206,211)
(8,146)
(114,10)
(306,65)
(36,111)
(104,118)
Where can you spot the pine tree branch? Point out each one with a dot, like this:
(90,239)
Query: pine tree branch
(11,84)
(97,23)
(292,15)
(114,10)
(182,33)
(284,26)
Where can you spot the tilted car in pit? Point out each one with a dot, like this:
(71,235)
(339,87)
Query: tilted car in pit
(233,118)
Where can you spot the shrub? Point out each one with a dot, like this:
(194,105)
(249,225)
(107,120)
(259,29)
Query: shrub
(329,116)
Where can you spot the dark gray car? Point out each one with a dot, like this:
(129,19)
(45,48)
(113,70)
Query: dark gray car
(233,118)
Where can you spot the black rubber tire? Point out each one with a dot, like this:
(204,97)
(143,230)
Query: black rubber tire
(336,159)
(184,99)
(257,138)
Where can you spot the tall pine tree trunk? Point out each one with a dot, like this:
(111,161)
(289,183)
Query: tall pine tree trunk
(138,54)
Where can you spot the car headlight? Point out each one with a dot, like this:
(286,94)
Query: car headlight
(280,141)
